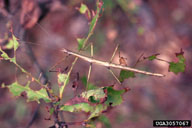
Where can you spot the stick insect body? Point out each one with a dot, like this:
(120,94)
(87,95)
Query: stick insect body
(110,65)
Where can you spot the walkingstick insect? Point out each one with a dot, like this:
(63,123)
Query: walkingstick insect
(109,64)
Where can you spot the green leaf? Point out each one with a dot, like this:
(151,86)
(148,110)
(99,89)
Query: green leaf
(82,102)
(152,57)
(83,9)
(177,67)
(16,89)
(114,96)
(90,86)
(6,57)
(51,111)
(96,93)
(61,78)
(98,109)
(125,75)
(77,107)
(10,44)
(94,110)
(15,42)
(81,42)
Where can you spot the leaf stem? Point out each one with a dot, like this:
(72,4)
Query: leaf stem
(162,60)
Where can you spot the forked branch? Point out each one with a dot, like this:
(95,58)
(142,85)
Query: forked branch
(108,64)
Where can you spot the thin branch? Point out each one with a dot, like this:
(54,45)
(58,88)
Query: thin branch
(139,59)
(59,62)
(162,60)
(88,76)
(114,53)
(112,65)
(114,76)
(90,67)
(68,74)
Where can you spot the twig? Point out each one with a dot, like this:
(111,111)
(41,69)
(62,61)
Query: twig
(90,67)
(111,61)
(114,53)
(139,59)
(162,60)
(114,76)
(112,65)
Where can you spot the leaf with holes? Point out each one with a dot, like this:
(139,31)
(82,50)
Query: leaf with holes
(95,110)
(92,101)
(96,93)
(16,89)
(15,42)
(125,75)
(114,97)
(61,78)
(177,67)
(6,57)
(77,107)
(12,43)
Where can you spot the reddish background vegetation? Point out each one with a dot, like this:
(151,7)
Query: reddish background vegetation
(140,26)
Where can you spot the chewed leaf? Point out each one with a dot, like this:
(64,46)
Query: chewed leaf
(114,96)
(176,67)
(6,57)
(15,42)
(10,44)
(81,42)
(96,93)
(179,66)
(92,101)
(77,107)
(85,107)
(125,75)
(16,89)
(98,109)
(61,78)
